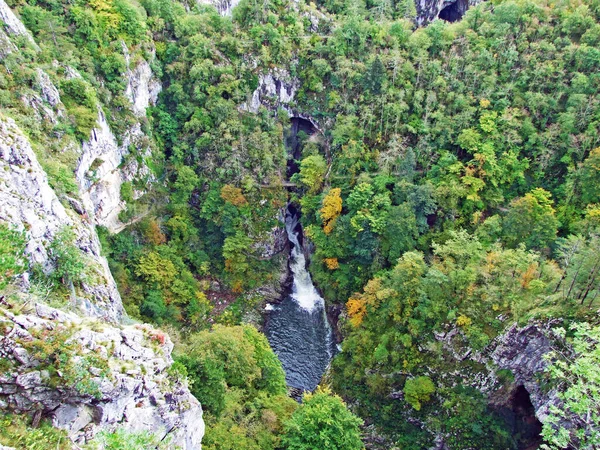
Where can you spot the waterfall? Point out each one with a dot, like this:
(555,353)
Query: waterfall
(297,328)
(303,290)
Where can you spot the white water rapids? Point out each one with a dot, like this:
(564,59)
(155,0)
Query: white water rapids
(303,290)
(297,328)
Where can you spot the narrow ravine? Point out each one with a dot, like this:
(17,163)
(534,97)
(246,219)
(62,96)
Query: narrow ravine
(297,328)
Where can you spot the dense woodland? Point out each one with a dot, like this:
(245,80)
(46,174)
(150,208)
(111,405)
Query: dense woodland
(452,182)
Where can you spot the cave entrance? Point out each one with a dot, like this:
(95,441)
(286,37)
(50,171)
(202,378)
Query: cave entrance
(527,427)
(454,11)
(300,130)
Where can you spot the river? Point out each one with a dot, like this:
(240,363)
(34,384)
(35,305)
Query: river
(297,328)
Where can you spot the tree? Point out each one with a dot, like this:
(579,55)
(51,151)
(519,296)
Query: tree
(574,423)
(590,177)
(331,210)
(184,185)
(12,246)
(418,390)
(322,422)
(531,219)
(156,269)
(312,172)
(67,258)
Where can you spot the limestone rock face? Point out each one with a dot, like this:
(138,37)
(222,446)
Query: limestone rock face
(102,169)
(522,350)
(48,90)
(13,25)
(27,202)
(450,10)
(142,88)
(224,7)
(276,89)
(129,385)
(6,46)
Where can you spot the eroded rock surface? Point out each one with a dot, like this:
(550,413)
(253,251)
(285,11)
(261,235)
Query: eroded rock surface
(119,377)
(276,89)
(105,164)
(449,10)
(13,25)
(28,203)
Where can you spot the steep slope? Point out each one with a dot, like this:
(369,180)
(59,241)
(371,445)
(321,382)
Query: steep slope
(112,377)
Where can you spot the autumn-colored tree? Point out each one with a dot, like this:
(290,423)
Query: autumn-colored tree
(233,195)
(531,220)
(331,263)
(332,208)
(153,234)
(357,309)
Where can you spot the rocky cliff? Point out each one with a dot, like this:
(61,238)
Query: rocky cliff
(449,10)
(87,376)
(105,164)
(29,204)
(83,368)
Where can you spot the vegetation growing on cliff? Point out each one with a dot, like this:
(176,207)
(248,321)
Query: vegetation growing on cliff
(453,188)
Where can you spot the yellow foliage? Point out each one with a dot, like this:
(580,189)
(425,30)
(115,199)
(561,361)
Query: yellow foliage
(237,287)
(463,321)
(332,208)
(233,195)
(356,310)
(528,275)
(332,263)
(484,103)
(154,234)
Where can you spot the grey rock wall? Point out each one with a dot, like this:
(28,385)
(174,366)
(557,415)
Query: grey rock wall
(28,203)
(135,390)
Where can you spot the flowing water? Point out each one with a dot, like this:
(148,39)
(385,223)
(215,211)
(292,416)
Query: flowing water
(297,328)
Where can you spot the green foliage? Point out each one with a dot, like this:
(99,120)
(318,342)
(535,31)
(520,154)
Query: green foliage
(322,421)
(127,192)
(241,385)
(417,390)
(531,220)
(12,258)
(126,440)
(69,265)
(312,171)
(66,361)
(390,342)
(576,376)
(16,431)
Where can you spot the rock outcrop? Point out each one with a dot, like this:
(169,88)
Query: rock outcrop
(13,25)
(224,7)
(28,203)
(449,10)
(142,88)
(104,164)
(276,89)
(509,371)
(109,377)
(521,350)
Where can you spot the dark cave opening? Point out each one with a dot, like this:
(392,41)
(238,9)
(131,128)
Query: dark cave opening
(526,426)
(454,11)
(299,128)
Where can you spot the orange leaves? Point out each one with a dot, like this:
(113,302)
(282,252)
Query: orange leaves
(373,295)
(332,263)
(356,311)
(332,208)
(528,275)
(154,234)
(233,195)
